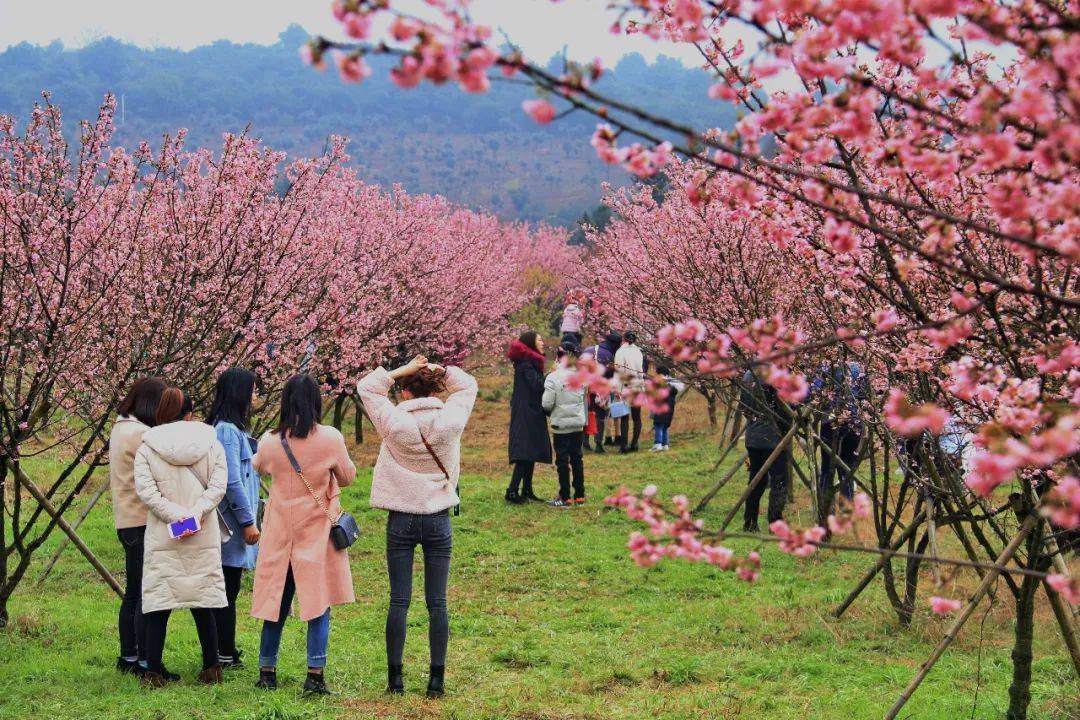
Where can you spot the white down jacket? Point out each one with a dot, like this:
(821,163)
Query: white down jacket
(566,407)
(180,472)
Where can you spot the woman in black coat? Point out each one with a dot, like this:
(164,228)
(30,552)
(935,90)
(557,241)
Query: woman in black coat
(529,441)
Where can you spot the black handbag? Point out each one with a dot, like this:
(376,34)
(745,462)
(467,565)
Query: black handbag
(344,530)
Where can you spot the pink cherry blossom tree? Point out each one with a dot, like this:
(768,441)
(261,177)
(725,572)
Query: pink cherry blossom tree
(926,166)
(181,263)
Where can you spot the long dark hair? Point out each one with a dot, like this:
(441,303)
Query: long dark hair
(175,405)
(142,400)
(529,338)
(301,406)
(232,398)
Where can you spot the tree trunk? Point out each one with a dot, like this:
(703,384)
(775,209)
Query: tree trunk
(911,583)
(339,411)
(8,585)
(358,428)
(3,541)
(710,400)
(1020,689)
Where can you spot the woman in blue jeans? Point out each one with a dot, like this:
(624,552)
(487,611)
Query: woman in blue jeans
(416,478)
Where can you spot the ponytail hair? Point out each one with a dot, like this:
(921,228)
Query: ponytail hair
(174,405)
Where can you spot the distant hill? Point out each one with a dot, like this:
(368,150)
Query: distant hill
(480,150)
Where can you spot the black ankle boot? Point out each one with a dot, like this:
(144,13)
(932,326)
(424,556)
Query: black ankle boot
(129,667)
(315,684)
(267,680)
(528,494)
(435,687)
(395,682)
(514,498)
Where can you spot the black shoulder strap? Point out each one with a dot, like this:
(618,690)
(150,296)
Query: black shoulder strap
(289,454)
(435,457)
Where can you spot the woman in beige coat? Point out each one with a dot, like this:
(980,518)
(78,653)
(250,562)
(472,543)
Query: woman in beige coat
(180,473)
(135,415)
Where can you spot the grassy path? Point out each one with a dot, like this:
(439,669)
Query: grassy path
(550,620)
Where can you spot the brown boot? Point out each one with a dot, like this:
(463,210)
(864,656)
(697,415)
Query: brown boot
(153,679)
(210,676)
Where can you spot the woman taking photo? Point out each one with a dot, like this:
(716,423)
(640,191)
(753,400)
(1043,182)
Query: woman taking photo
(416,478)
(231,415)
(296,555)
(180,475)
(135,415)
(529,441)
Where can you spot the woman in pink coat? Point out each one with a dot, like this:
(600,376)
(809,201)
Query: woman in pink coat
(296,555)
(415,478)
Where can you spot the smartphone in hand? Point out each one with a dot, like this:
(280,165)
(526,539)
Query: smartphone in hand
(184,528)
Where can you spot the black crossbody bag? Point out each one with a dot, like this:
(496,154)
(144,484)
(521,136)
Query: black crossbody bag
(344,530)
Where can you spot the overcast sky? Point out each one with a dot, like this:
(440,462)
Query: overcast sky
(539,26)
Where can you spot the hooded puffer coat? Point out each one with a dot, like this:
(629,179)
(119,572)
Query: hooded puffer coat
(179,473)
(566,407)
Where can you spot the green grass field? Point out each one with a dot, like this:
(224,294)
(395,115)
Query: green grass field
(550,621)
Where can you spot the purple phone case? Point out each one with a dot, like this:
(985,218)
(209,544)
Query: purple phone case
(179,527)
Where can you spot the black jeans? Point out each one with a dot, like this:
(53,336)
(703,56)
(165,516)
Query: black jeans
(776,481)
(132,627)
(404,531)
(225,618)
(156,625)
(624,427)
(845,443)
(568,458)
(522,477)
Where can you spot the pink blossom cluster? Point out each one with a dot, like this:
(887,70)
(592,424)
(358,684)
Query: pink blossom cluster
(675,534)
(843,520)
(907,419)
(638,159)
(943,605)
(1062,503)
(802,543)
(1067,587)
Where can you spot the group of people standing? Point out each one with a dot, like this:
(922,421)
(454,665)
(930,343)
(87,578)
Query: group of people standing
(577,416)
(189,515)
(836,393)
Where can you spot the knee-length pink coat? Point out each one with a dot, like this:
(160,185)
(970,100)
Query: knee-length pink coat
(296,531)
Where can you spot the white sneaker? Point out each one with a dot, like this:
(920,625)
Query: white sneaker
(665,448)
(656,448)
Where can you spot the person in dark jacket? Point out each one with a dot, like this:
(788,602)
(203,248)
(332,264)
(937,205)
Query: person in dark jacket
(662,421)
(767,421)
(840,390)
(529,440)
(604,354)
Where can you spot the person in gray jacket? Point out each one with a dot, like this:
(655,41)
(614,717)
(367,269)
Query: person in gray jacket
(567,411)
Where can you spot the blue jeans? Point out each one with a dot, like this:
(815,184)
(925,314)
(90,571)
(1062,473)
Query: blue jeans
(318,632)
(404,531)
(660,432)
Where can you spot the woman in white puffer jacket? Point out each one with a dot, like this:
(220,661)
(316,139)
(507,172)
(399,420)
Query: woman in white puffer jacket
(180,472)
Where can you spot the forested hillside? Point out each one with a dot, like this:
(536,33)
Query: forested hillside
(484,152)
